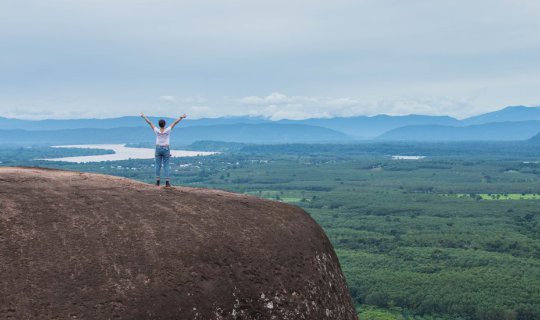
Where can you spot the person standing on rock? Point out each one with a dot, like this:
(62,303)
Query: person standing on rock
(163,151)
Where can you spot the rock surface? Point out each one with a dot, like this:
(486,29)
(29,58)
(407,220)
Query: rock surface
(86,246)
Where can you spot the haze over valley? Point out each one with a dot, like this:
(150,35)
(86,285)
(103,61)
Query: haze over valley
(508,124)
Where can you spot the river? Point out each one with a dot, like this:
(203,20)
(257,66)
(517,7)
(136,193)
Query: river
(121,152)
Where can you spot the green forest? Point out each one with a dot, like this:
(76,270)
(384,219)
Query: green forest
(455,235)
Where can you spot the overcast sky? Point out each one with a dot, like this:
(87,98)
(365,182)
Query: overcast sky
(279,59)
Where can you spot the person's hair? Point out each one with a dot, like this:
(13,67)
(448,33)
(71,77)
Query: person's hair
(162,123)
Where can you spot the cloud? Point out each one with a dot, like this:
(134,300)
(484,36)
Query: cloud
(274,97)
(167,98)
(342,57)
(437,106)
(277,106)
(182,100)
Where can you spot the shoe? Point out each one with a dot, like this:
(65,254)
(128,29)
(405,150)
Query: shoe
(157,183)
(167,184)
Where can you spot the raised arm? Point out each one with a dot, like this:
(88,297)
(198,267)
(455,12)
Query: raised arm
(178,120)
(147,121)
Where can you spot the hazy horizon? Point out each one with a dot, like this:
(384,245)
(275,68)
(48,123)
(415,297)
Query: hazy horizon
(255,116)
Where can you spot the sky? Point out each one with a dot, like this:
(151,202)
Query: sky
(279,59)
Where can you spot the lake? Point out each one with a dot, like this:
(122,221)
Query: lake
(121,152)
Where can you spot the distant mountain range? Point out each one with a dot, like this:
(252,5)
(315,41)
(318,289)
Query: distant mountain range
(511,123)
(371,127)
(509,114)
(247,133)
(495,131)
(110,123)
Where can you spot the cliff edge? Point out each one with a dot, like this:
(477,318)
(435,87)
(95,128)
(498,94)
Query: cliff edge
(87,246)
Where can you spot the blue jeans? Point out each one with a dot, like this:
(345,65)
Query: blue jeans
(163,154)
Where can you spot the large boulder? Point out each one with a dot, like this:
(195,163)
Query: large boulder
(87,246)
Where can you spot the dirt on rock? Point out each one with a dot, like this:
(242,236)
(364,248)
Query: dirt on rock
(87,246)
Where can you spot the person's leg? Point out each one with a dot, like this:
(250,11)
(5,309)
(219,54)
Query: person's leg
(158,165)
(166,158)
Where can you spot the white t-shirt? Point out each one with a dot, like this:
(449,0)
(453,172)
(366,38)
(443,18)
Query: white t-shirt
(162,138)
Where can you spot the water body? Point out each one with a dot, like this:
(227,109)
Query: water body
(121,152)
(407,157)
